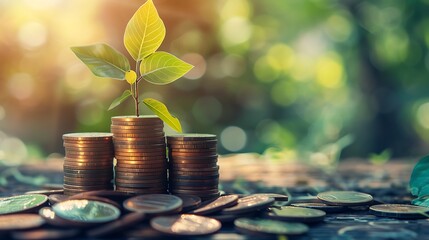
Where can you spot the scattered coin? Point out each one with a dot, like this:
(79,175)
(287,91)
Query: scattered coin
(154,204)
(43,234)
(217,205)
(345,198)
(190,202)
(46,192)
(268,226)
(276,196)
(86,211)
(56,198)
(185,225)
(249,204)
(20,221)
(119,225)
(402,211)
(95,198)
(296,214)
(22,203)
(54,220)
(321,206)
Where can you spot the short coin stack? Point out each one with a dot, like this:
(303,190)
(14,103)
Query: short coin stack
(193,168)
(140,152)
(88,162)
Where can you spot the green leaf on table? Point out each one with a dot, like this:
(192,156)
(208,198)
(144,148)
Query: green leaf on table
(144,32)
(162,112)
(103,60)
(163,68)
(126,94)
(419,180)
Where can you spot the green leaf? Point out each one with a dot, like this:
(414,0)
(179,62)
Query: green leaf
(126,94)
(144,32)
(103,60)
(163,68)
(162,112)
(419,180)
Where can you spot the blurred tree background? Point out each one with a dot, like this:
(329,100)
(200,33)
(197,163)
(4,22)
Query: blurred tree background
(294,79)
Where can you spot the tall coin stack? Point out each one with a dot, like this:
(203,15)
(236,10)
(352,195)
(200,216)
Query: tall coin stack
(140,152)
(193,168)
(88,162)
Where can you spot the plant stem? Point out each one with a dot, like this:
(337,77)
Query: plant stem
(136,88)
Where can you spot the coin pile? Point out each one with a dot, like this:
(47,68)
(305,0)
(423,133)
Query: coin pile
(193,168)
(140,152)
(88,162)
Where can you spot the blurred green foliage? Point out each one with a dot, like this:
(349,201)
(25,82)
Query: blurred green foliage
(303,79)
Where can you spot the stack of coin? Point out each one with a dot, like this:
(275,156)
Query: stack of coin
(193,168)
(88,162)
(140,152)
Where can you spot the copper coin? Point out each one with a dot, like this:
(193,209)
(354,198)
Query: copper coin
(136,141)
(195,192)
(89,158)
(216,205)
(155,162)
(192,160)
(85,171)
(191,137)
(142,166)
(56,198)
(140,131)
(140,178)
(20,221)
(188,157)
(192,146)
(90,176)
(185,225)
(104,149)
(88,144)
(141,190)
(154,204)
(134,135)
(345,198)
(174,165)
(86,165)
(125,222)
(87,188)
(142,119)
(156,153)
(93,136)
(106,153)
(249,204)
(159,180)
(194,150)
(144,158)
(141,185)
(212,154)
(85,183)
(193,188)
(93,161)
(190,202)
(146,148)
(139,144)
(296,214)
(191,169)
(194,173)
(22,203)
(197,182)
(177,177)
(46,192)
(321,206)
(140,174)
(139,170)
(43,234)
(138,127)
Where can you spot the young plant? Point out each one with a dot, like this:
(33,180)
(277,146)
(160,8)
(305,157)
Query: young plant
(144,34)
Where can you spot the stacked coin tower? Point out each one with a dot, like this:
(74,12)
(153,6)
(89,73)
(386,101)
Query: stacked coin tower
(193,168)
(88,162)
(140,152)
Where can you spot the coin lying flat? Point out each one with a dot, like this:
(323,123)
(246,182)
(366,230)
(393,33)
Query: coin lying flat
(56,198)
(277,197)
(154,204)
(53,219)
(185,225)
(321,206)
(21,203)
(404,211)
(20,221)
(86,211)
(249,204)
(96,136)
(217,205)
(268,226)
(297,214)
(190,202)
(345,198)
